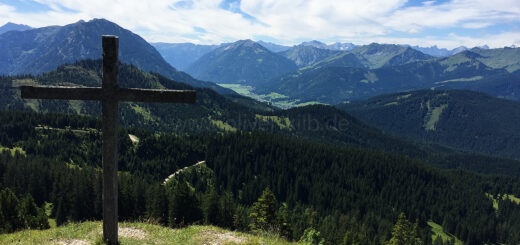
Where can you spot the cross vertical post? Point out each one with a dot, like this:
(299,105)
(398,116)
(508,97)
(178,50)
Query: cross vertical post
(109,94)
(109,159)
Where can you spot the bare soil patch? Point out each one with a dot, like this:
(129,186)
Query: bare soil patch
(219,238)
(70,242)
(132,233)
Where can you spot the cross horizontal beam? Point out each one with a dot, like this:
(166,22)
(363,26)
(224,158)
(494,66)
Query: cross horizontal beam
(120,94)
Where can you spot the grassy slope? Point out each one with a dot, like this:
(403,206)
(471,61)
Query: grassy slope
(512,198)
(438,231)
(137,233)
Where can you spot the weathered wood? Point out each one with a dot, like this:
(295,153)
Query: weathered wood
(109,94)
(109,109)
(61,93)
(122,94)
(156,95)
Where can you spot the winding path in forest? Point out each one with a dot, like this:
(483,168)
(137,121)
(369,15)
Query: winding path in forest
(180,170)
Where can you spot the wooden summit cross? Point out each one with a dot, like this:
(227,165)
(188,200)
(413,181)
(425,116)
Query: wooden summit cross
(109,94)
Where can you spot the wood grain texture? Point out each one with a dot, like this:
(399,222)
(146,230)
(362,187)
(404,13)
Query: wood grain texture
(121,94)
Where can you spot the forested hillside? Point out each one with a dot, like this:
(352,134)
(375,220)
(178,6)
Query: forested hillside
(216,113)
(346,194)
(312,172)
(465,120)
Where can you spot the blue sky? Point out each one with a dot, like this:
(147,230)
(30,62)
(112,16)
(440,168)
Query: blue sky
(445,23)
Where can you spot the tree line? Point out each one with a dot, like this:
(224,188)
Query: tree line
(250,181)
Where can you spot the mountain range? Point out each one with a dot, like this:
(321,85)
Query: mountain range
(9,26)
(40,50)
(334,46)
(304,72)
(215,113)
(337,46)
(345,171)
(379,55)
(333,75)
(303,55)
(500,58)
(324,75)
(438,52)
(249,63)
(273,47)
(336,84)
(182,55)
(243,61)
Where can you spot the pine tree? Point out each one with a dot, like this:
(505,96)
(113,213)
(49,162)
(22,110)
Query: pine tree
(184,207)
(284,221)
(401,233)
(352,238)
(61,215)
(241,218)
(263,212)
(9,218)
(228,209)
(29,212)
(157,204)
(312,237)
(211,207)
(32,216)
(42,220)
(416,235)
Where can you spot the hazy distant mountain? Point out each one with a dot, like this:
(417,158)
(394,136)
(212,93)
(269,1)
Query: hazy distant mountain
(335,84)
(273,47)
(307,55)
(182,55)
(240,62)
(458,50)
(433,50)
(43,49)
(441,52)
(335,46)
(9,26)
(465,120)
(342,59)
(315,43)
(341,46)
(375,55)
(378,55)
(508,58)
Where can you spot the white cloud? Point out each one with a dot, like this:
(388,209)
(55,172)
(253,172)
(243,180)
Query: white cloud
(361,21)
(476,25)
(457,13)
(451,41)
